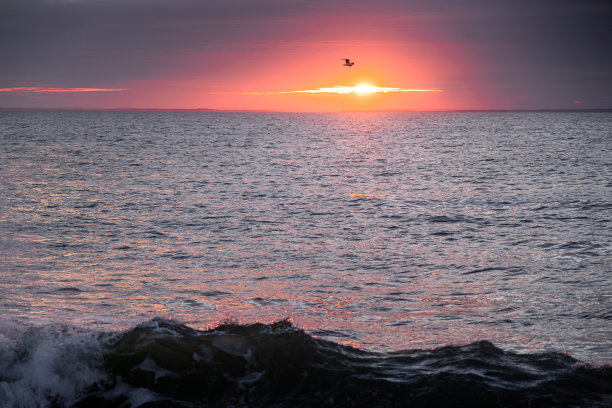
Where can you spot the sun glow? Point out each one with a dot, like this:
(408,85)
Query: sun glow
(361,89)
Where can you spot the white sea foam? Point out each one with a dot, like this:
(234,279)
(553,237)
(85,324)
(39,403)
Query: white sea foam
(43,366)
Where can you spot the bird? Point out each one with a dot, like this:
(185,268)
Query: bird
(347,62)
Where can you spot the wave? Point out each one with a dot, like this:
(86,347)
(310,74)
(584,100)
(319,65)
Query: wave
(161,363)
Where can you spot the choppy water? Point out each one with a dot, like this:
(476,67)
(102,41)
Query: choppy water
(490,232)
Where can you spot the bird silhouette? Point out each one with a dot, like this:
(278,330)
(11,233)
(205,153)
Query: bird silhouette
(347,62)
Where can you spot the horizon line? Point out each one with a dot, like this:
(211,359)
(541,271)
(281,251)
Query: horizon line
(212,110)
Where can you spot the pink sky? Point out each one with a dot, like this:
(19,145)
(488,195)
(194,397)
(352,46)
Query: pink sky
(241,54)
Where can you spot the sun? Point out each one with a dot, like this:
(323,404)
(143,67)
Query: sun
(365,89)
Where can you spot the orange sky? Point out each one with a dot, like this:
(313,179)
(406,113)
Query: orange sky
(251,81)
(319,65)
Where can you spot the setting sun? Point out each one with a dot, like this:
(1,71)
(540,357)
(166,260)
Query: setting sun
(364,89)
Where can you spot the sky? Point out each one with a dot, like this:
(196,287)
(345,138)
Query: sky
(278,55)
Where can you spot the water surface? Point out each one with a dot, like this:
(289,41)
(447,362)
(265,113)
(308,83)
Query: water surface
(384,231)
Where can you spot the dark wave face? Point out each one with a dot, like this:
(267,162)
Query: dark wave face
(161,363)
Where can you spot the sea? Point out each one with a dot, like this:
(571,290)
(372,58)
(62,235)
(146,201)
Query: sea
(236,259)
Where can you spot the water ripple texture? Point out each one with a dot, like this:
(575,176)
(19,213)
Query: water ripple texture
(382,231)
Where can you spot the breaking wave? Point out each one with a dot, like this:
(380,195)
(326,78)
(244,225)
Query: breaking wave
(161,363)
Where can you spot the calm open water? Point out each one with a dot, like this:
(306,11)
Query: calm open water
(387,232)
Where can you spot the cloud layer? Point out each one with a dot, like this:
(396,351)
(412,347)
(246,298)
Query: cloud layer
(38,89)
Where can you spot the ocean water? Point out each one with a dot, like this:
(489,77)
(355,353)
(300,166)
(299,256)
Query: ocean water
(350,259)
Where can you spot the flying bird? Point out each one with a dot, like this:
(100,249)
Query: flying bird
(347,62)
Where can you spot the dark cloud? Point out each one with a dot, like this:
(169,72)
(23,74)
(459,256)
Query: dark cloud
(77,40)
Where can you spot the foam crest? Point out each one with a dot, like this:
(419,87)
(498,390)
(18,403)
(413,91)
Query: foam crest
(49,366)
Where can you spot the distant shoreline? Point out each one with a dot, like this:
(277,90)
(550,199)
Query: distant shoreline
(11,109)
